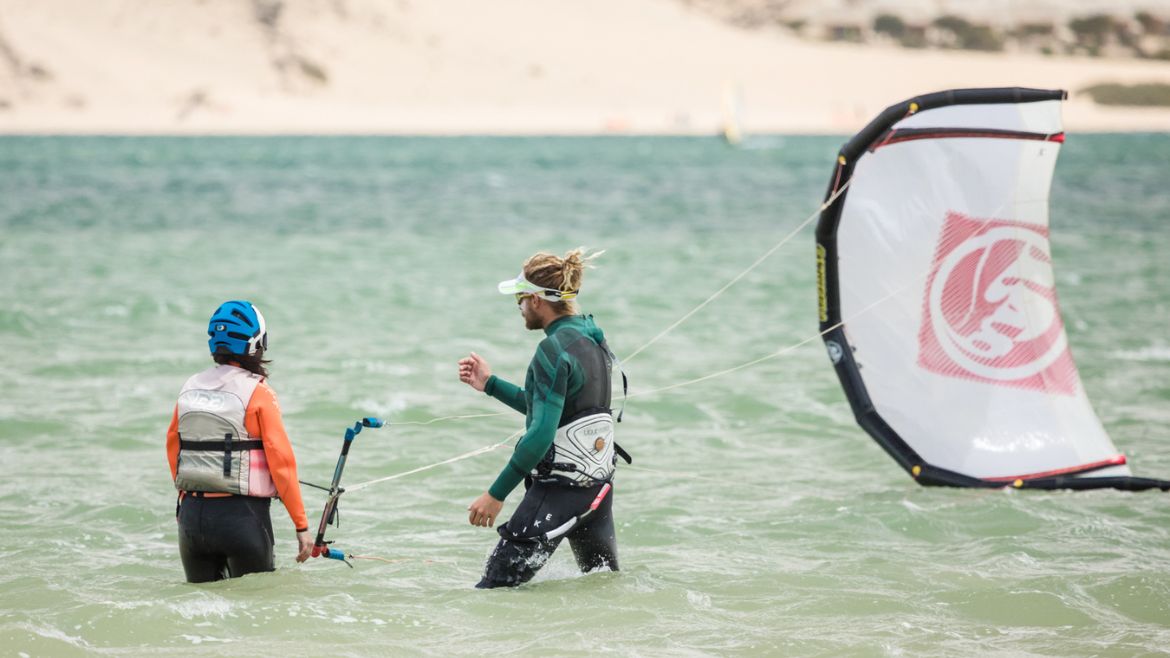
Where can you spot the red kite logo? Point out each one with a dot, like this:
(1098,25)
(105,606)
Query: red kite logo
(990,312)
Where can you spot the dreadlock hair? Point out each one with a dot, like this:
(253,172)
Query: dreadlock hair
(549,271)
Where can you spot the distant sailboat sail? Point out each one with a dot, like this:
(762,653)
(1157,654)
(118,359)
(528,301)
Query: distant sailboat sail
(732,121)
(938,299)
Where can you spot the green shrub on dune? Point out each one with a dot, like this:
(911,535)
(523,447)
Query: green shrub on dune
(1150,94)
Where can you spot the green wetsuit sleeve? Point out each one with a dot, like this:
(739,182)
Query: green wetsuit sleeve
(548,401)
(506,392)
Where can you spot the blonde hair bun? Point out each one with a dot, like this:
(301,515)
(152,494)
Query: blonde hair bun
(560,273)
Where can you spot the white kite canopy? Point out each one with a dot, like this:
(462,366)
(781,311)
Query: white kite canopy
(938,302)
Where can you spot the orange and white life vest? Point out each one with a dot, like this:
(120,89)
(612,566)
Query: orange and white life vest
(216,453)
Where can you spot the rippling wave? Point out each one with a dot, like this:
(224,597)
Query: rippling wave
(759,519)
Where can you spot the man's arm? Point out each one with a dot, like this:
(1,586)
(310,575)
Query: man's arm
(548,401)
(506,392)
(476,372)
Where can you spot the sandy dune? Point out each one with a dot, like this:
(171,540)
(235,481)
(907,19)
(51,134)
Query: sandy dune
(469,66)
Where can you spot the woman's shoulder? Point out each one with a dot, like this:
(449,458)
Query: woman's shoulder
(264,396)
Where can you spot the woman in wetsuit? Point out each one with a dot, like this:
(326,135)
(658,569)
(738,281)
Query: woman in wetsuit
(230,456)
(566,456)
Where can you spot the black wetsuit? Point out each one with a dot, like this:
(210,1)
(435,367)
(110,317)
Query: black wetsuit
(568,378)
(225,537)
(515,560)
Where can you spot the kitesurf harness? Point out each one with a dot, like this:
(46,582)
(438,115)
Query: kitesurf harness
(216,453)
(583,450)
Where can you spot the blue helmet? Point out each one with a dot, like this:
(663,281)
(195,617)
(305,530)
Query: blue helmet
(237,327)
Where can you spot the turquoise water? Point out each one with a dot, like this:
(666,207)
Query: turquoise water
(767,523)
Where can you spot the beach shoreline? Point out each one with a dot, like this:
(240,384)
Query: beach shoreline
(557,68)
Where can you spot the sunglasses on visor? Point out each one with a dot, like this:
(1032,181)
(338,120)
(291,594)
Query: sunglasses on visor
(547,295)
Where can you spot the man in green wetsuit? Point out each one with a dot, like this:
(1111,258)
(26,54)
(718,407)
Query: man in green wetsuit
(566,456)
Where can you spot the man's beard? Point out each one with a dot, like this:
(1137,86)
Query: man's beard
(531,321)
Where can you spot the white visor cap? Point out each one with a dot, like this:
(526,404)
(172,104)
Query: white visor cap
(522,286)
